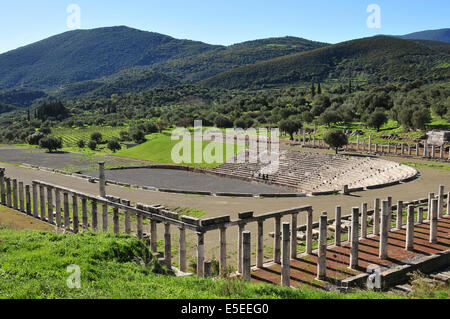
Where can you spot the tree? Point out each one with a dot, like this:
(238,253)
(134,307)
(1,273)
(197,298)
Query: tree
(313,89)
(440,109)
(420,118)
(124,136)
(223,121)
(336,139)
(92,145)
(81,144)
(307,117)
(138,136)
(319,89)
(97,137)
(377,119)
(329,117)
(51,143)
(290,126)
(34,138)
(114,145)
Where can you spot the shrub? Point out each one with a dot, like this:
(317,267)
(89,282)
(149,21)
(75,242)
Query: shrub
(81,144)
(138,136)
(92,145)
(51,143)
(114,145)
(97,137)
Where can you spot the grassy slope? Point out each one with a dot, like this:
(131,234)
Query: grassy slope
(159,147)
(33,265)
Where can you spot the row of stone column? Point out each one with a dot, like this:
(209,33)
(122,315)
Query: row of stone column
(402,149)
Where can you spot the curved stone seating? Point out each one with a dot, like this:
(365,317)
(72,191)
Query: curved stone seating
(314,172)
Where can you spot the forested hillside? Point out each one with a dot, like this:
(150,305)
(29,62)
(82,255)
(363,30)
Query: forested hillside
(376,59)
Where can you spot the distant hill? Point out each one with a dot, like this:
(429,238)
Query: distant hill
(21,97)
(204,65)
(83,55)
(441,35)
(380,58)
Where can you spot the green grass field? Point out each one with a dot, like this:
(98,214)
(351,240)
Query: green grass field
(158,148)
(34,265)
(70,136)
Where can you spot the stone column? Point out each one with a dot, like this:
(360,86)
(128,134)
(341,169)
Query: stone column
(448,204)
(354,238)
(140,227)
(390,213)
(376,217)
(127,217)
(116,225)
(66,211)
(364,220)
(403,149)
(153,236)
(8,191)
(420,215)
(410,229)
(383,254)
(58,208)
(417,149)
(399,220)
(246,270)
(50,204)
(433,151)
(223,250)
(277,241)
(294,236)
(304,137)
(338,226)
(75,213)
(104,217)
(167,246)
(430,198)
(102,179)
(370,143)
(441,202)
(441,151)
(21,198)
(260,245)
(322,254)
(15,194)
(94,216)
(2,186)
(309,224)
(42,201)
(35,200)
(433,221)
(409,149)
(28,200)
(200,254)
(241,229)
(389,148)
(286,260)
(183,260)
(425,149)
(357,142)
(84,214)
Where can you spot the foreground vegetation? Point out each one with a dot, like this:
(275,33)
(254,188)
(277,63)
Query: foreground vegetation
(34,265)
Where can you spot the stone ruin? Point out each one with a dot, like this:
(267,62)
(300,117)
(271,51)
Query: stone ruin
(438,137)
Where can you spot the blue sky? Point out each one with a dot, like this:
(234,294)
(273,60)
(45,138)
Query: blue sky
(222,21)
